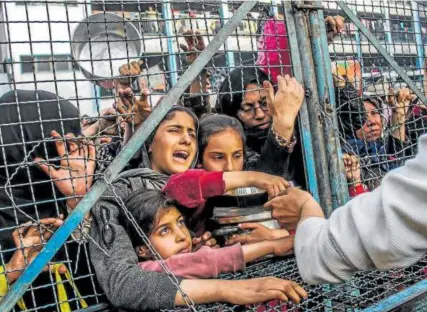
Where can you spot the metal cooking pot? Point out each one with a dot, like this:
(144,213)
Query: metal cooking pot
(102,43)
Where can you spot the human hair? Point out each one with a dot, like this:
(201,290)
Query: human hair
(213,124)
(232,89)
(146,207)
(169,115)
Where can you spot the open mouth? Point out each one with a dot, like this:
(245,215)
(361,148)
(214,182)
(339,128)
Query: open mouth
(180,156)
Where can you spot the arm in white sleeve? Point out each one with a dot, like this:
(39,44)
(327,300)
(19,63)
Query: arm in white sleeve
(384,229)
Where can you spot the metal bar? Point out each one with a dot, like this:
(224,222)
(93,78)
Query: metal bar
(224,13)
(173,67)
(400,298)
(314,112)
(387,30)
(60,236)
(325,88)
(400,71)
(304,121)
(418,38)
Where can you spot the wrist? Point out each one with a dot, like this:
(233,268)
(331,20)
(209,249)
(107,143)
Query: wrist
(12,273)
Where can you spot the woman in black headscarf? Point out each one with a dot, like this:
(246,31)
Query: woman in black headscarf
(268,118)
(40,175)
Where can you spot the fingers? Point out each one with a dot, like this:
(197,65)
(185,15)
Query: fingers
(300,291)
(48,170)
(291,293)
(197,240)
(269,90)
(73,144)
(59,143)
(206,236)
(251,226)
(242,239)
(183,47)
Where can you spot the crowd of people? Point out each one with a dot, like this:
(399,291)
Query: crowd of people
(153,217)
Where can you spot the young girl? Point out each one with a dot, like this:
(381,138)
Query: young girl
(222,156)
(161,219)
(172,148)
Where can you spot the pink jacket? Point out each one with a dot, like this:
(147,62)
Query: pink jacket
(203,263)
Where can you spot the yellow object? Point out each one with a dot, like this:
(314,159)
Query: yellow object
(4,288)
(60,287)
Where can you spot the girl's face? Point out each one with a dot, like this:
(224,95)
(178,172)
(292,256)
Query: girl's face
(174,146)
(171,236)
(224,152)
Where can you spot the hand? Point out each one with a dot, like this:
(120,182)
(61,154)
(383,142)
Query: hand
(352,169)
(128,72)
(258,233)
(285,104)
(132,108)
(272,184)
(195,45)
(401,106)
(287,208)
(77,166)
(205,240)
(107,121)
(258,290)
(334,26)
(29,239)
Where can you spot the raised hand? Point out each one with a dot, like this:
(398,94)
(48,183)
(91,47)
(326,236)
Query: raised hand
(352,169)
(195,45)
(334,26)
(285,104)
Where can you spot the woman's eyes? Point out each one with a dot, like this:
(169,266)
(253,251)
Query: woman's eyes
(239,155)
(181,222)
(192,134)
(218,156)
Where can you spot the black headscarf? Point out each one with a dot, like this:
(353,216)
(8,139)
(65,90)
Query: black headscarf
(351,112)
(26,121)
(230,99)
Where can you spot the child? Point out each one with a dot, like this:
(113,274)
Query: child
(160,218)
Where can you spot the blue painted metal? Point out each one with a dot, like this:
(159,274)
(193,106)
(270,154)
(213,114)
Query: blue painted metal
(304,121)
(343,191)
(224,13)
(326,94)
(314,112)
(400,71)
(418,37)
(387,30)
(60,236)
(400,298)
(172,64)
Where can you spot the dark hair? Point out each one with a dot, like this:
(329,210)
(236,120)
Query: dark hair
(146,206)
(213,124)
(231,92)
(169,115)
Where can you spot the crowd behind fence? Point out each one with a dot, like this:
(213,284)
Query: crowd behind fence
(79,78)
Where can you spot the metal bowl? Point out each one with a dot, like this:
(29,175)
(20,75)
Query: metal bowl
(102,43)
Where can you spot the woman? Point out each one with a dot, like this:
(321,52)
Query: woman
(172,148)
(362,125)
(268,119)
(40,175)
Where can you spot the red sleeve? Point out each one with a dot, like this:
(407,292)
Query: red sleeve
(204,263)
(192,187)
(357,190)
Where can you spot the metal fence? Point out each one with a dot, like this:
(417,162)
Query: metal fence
(74,49)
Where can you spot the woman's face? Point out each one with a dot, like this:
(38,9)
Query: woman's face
(224,152)
(254,110)
(372,128)
(174,146)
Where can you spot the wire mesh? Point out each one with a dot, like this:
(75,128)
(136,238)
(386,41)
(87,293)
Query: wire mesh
(59,47)
(379,121)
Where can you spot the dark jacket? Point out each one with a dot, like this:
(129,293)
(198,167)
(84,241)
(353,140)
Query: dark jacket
(263,153)
(124,283)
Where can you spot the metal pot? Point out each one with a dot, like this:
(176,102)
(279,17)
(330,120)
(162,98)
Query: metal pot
(102,43)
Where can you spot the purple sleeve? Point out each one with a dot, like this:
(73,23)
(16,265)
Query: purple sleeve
(204,263)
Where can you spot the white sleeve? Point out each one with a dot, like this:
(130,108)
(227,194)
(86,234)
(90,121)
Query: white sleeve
(384,229)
